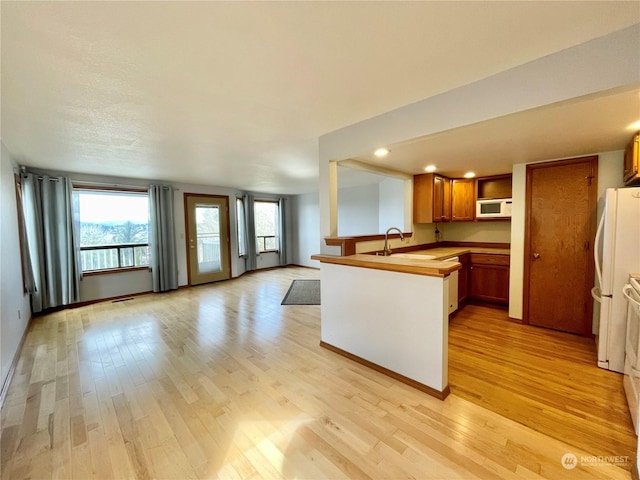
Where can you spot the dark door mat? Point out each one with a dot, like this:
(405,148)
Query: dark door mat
(303,292)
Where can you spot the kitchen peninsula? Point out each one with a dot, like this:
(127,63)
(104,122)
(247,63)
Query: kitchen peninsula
(389,313)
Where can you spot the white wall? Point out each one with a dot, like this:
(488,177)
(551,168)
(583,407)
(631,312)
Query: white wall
(96,287)
(358,210)
(610,167)
(15,310)
(609,176)
(516,268)
(392,204)
(362,210)
(305,211)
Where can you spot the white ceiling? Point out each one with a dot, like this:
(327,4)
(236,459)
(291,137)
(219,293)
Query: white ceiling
(579,127)
(237,93)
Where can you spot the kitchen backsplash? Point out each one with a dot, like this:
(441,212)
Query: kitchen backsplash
(499,232)
(490,232)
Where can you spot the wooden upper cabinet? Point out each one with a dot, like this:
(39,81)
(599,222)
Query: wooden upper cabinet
(463,199)
(438,199)
(431,198)
(631,176)
(441,199)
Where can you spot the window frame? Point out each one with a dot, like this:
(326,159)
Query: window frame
(78,187)
(21,230)
(277,233)
(241,239)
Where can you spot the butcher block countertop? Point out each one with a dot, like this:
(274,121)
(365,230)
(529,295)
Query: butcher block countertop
(430,268)
(447,252)
(433,268)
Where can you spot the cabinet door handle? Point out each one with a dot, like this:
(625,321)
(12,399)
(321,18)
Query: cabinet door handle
(536,256)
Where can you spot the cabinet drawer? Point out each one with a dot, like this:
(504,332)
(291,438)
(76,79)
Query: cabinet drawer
(489,259)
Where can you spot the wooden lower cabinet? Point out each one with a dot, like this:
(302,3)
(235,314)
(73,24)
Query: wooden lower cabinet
(489,278)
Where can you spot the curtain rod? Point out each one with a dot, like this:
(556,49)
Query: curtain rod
(23,171)
(40,177)
(81,183)
(115,185)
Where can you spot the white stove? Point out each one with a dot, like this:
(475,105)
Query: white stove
(631,291)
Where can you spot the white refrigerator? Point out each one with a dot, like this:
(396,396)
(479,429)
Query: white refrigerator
(617,254)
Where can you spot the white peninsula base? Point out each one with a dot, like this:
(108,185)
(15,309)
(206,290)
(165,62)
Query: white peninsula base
(393,321)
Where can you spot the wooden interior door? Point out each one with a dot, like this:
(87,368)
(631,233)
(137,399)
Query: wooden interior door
(207,226)
(560,230)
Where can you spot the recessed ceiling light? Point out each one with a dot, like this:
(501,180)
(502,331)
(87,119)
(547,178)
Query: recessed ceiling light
(381,152)
(430,168)
(469,175)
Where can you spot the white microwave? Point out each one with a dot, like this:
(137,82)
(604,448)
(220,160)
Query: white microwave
(494,208)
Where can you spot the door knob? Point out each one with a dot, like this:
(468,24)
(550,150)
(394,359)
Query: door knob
(536,255)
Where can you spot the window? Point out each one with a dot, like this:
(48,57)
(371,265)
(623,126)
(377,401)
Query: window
(266,219)
(240,227)
(25,261)
(114,229)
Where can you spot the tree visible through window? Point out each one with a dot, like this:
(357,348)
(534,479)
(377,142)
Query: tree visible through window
(266,220)
(114,229)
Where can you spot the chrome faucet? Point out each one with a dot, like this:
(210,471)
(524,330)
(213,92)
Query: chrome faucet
(387,249)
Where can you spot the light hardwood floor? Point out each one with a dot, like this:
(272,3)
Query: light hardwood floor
(221,381)
(545,379)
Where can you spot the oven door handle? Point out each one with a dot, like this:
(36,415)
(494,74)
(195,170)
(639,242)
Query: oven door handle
(626,291)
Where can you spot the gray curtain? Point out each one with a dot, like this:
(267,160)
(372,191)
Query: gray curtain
(162,242)
(282,229)
(250,260)
(52,240)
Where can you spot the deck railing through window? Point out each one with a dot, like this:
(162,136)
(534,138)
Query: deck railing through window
(208,245)
(106,257)
(267,243)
